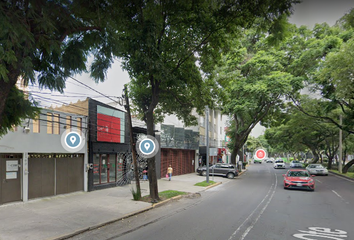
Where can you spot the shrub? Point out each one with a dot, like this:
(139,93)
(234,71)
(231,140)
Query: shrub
(136,194)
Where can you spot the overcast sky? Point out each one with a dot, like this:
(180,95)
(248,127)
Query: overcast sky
(307,13)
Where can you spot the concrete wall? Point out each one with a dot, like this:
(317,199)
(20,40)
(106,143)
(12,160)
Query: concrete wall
(19,141)
(25,142)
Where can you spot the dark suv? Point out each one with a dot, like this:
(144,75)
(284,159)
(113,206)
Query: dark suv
(220,169)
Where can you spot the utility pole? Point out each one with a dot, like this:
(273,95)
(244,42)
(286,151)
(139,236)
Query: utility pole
(207,142)
(340,145)
(136,172)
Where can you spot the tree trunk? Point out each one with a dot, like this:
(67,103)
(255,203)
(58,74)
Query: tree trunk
(233,156)
(315,156)
(347,166)
(330,159)
(236,149)
(154,193)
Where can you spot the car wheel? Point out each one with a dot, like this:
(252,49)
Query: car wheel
(230,175)
(203,173)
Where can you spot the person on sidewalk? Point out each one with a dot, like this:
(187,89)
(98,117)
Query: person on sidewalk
(145,176)
(169,172)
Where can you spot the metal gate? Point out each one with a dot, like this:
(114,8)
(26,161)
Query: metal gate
(52,174)
(10,178)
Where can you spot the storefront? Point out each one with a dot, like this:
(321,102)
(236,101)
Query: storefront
(109,153)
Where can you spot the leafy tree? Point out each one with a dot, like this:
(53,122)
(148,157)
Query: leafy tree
(260,142)
(46,42)
(331,76)
(166,44)
(255,79)
(302,131)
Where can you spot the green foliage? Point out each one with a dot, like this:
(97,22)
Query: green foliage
(170,194)
(136,194)
(164,195)
(204,184)
(17,108)
(46,42)
(255,82)
(327,64)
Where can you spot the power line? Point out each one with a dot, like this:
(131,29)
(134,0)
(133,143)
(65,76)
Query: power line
(94,89)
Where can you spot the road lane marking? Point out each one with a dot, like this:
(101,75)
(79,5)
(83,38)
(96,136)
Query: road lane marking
(322,233)
(319,181)
(273,186)
(340,196)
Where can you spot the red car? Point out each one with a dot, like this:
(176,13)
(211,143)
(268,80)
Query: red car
(299,179)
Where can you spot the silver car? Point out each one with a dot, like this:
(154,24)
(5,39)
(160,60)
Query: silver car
(295,164)
(317,169)
(220,169)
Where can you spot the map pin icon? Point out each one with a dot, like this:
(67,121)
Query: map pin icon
(72,139)
(147,146)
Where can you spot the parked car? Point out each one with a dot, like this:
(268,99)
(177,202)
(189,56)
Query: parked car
(299,179)
(295,164)
(317,169)
(279,163)
(220,169)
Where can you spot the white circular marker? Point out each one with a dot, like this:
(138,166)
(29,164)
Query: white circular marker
(72,139)
(147,146)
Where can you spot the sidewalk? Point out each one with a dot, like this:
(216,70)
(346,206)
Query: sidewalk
(59,216)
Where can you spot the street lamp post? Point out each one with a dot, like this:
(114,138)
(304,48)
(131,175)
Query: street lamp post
(340,146)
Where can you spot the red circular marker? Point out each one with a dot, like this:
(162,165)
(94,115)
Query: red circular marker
(260,154)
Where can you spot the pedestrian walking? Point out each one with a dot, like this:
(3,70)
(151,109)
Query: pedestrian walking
(169,172)
(145,176)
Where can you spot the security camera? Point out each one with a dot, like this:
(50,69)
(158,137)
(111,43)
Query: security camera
(26,129)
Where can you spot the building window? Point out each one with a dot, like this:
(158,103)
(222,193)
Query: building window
(36,124)
(201,120)
(68,124)
(49,123)
(56,123)
(79,124)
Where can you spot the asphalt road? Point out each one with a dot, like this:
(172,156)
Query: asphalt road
(253,206)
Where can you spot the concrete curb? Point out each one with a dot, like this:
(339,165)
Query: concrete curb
(340,175)
(155,205)
(102,224)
